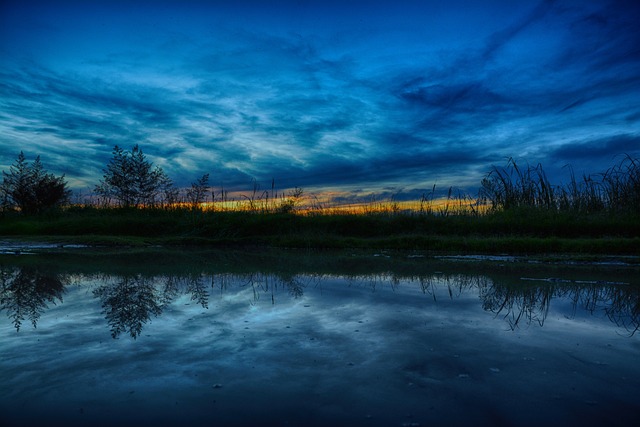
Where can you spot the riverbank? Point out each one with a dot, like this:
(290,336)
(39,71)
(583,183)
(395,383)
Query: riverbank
(516,232)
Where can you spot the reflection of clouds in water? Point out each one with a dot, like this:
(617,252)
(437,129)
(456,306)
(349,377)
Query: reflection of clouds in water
(345,347)
(330,306)
(335,301)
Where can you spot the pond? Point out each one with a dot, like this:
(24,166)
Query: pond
(315,338)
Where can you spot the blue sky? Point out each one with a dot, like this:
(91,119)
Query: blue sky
(353,97)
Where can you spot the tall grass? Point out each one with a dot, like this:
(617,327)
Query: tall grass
(622,185)
(512,187)
(616,190)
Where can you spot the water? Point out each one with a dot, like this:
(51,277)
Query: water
(201,338)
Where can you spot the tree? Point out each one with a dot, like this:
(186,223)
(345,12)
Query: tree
(197,194)
(31,189)
(132,180)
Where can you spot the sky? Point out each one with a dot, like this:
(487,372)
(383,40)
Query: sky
(348,97)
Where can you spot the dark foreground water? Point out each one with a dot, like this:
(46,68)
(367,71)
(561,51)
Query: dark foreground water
(289,339)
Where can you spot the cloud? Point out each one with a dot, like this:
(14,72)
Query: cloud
(500,38)
(324,102)
(595,151)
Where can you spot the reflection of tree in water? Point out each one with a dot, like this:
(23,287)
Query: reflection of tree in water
(296,288)
(131,301)
(294,285)
(24,293)
(198,290)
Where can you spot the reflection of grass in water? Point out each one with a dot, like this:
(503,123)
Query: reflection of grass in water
(131,297)
(525,304)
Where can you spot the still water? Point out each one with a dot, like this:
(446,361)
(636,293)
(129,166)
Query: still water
(282,338)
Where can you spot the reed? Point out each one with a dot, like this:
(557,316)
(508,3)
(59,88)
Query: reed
(616,190)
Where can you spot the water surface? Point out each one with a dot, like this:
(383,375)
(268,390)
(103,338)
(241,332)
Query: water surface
(316,339)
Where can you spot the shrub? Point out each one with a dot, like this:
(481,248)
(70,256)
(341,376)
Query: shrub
(31,189)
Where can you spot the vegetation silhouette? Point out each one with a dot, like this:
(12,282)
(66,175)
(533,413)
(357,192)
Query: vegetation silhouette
(615,190)
(130,180)
(197,194)
(517,210)
(31,189)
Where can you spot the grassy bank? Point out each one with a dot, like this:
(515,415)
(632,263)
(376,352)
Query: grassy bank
(517,231)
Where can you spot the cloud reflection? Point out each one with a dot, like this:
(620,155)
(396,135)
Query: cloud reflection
(131,301)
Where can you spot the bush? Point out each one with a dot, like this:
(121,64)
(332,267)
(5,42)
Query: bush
(31,189)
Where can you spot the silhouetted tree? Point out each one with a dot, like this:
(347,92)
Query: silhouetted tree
(31,189)
(131,179)
(169,193)
(197,194)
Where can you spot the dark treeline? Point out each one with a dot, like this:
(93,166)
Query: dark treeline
(130,180)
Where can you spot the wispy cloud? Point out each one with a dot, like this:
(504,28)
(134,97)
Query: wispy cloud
(326,100)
